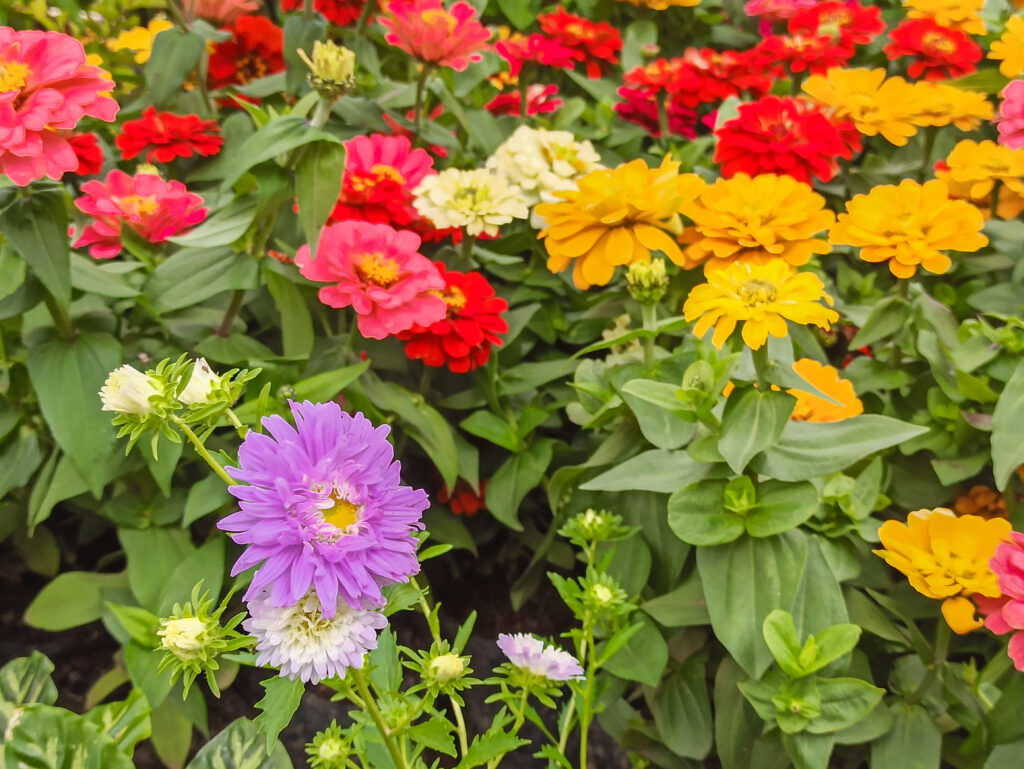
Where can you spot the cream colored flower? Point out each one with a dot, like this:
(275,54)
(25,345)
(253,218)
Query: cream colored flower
(541,162)
(200,385)
(478,200)
(127,391)
(184,637)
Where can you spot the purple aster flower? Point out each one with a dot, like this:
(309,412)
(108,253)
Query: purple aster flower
(531,654)
(324,508)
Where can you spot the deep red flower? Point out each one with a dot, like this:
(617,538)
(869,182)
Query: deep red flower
(937,52)
(795,54)
(640,106)
(785,136)
(464,338)
(518,50)
(340,12)
(164,136)
(706,76)
(595,44)
(463,500)
(849,21)
(254,51)
(88,152)
(540,99)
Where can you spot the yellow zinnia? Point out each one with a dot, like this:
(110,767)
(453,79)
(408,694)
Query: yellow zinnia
(764,216)
(955,14)
(1008,50)
(813,408)
(1009,206)
(875,104)
(761,296)
(909,225)
(946,558)
(616,217)
(139,39)
(982,164)
(939,104)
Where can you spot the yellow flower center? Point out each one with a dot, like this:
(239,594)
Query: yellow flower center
(342,516)
(13,75)
(439,16)
(757,293)
(137,205)
(379,269)
(249,67)
(455,300)
(378,173)
(469,197)
(937,42)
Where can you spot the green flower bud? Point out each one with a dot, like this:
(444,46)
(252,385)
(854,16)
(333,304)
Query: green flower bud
(331,69)
(328,749)
(184,637)
(647,281)
(446,668)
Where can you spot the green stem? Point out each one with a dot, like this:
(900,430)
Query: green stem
(760,356)
(425,608)
(364,18)
(564,727)
(588,692)
(663,126)
(929,144)
(224,329)
(417,110)
(649,317)
(201,450)
(940,651)
(516,725)
(524,101)
(61,319)
(236,423)
(308,10)
(468,241)
(378,719)
(177,15)
(995,199)
(460,728)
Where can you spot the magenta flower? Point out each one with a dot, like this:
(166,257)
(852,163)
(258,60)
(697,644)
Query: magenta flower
(1011,116)
(379,272)
(1006,614)
(443,38)
(323,508)
(533,655)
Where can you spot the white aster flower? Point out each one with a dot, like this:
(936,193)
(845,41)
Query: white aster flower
(200,385)
(541,162)
(306,645)
(127,391)
(478,200)
(533,655)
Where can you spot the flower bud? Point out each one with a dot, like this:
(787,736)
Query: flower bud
(200,385)
(184,637)
(328,749)
(147,168)
(447,667)
(331,69)
(647,281)
(127,391)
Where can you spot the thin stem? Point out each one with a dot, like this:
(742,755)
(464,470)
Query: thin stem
(520,717)
(425,378)
(468,241)
(417,110)
(307,10)
(224,329)
(201,450)
(588,694)
(378,719)
(364,18)
(649,317)
(177,15)
(236,423)
(460,727)
(929,144)
(995,198)
(760,356)
(524,100)
(940,651)
(61,319)
(565,726)
(663,127)
(425,608)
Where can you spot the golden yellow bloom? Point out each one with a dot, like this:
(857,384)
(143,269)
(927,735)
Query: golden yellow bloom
(946,558)
(981,500)
(875,104)
(1009,206)
(764,216)
(909,225)
(957,14)
(813,408)
(1008,50)
(982,164)
(661,5)
(761,296)
(616,217)
(939,104)
(139,39)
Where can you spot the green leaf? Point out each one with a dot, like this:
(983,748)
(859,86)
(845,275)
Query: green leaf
(780,634)
(643,657)
(141,624)
(888,316)
(326,386)
(522,13)
(19,459)
(738,730)
(26,680)
(818,602)
(46,737)
(517,476)
(435,734)
(780,507)
(637,34)
(278,136)
(172,733)
(277,707)
(37,227)
(657,470)
(223,228)
(297,335)
(317,186)
(660,394)
(234,350)
(100,279)
(844,702)
(153,555)
(300,32)
(487,425)
(809,751)
(488,746)
(683,607)
(808,450)
(174,56)
(913,742)
(203,498)
(665,429)
(682,711)
(1007,418)
(449,529)
(71,599)
(834,642)
(126,722)
(193,275)
(206,564)
(751,423)
(143,664)
(696,514)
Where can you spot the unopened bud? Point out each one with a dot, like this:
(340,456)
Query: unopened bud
(184,637)
(331,69)
(200,384)
(447,667)
(147,168)
(127,391)
(647,281)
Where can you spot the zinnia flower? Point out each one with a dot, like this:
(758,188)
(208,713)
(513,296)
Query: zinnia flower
(164,136)
(127,391)
(946,558)
(340,12)
(776,10)
(518,50)
(1011,116)
(936,52)
(1010,203)
(139,40)
(477,200)
(785,136)
(955,14)
(596,45)
(442,38)
(153,209)
(877,105)
(46,87)
(540,162)
(255,50)
(463,500)
(980,500)
(763,216)
(304,642)
(983,164)
(323,508)
(762,295)
(849,21)
(219,12)
(88,152)
(1008,50)
(909,225)
(1006,614)
(640,106)
(534,656)
(811,407)
(540,100)
(796,54)
(379,272)
(616,217)
(463,338)
(939,104)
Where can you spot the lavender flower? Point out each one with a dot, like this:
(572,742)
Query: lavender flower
(324,508)
(305,643)
(531,654)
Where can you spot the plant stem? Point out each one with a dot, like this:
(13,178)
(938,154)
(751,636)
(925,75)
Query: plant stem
(417,110)
(308,10)
(61,319)
(364,18)
(224,329)
(201,450)
(425,608)
(929,144)
(760,356)
(995,198)
(520,717)
(460,725)
(588,694)
(940,650)
(524,101)
(649,318)
(177,15)
(378,719)
(468,241)
(663,127)
(236,423)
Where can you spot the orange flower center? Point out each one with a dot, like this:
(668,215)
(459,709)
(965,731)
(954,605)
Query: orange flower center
(137,205)
(249,67)
(455,300)
(936,42)
(13,75)
(757,293)
(342,516)
(378,269)
(439,16)
(378,173)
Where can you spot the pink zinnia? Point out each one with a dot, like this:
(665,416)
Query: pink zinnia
(518,50)
(1006,615)
(1011,116)
(379,272)
(46,87)
(219,12)
(776,10)
(146,204)
(444,38)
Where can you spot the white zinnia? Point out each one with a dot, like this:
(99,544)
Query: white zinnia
(127,391)
(531,654)
(200,385)
(306,645)
(541,162)
(478,200)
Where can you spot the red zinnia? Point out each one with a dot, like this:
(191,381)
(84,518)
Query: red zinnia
(540,99)
(640,106)
(463,500)
(88,152)
(164,136)
(706,76)
(254,51)
(815,54)
(784,136)
(340,12)
(596,44)
(938,52)
(463,338)
(518,50)
(849,21)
